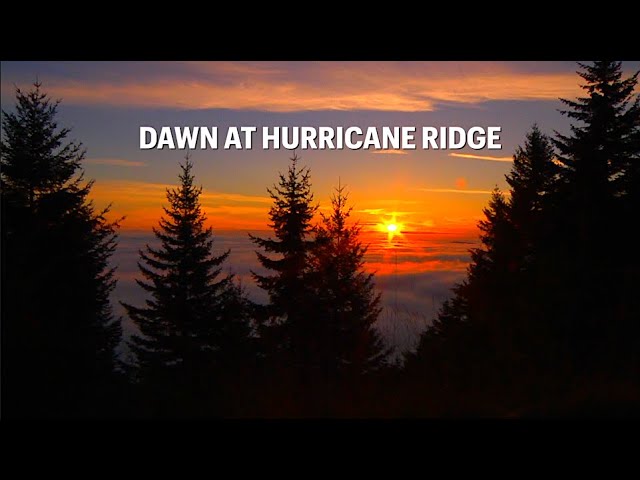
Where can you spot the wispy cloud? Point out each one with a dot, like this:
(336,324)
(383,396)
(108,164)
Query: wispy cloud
(390,152)
(386,212)
(141,203)
(145,191)
(234,197)
(372,211)
(116,162)
(303,86)
(482,157)
(387,201)
(455,190)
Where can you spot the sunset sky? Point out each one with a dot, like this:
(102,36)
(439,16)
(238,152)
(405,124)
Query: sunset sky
(106,102)
(437,196)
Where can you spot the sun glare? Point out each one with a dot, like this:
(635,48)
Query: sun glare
(390,226)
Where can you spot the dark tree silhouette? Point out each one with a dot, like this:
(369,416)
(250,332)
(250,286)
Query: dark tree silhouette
(533,178)
(603,145)
(497,237)
(599,157)
(59,331)
(195,324)
(547,319)
(286,320)
(346,303)
(489,333)
(466,346)
(595,202)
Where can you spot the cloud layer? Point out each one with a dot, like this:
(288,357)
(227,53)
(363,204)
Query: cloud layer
(455,190)
(302,86)
(414,278)
(115,162)
(490,158)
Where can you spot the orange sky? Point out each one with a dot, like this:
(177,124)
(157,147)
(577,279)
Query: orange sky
(312,86)
(415,210)
(427,192)
(425,221)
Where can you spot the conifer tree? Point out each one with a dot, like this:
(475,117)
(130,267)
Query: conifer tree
(459,348)
(285,326)
(599,158)
(603,145)
(497,237)
(596,199)
(533,179)
(549,295)
(494,293)
(347,305)
(60,334)
(195,321)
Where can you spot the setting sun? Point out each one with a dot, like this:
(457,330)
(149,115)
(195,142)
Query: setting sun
(390,226)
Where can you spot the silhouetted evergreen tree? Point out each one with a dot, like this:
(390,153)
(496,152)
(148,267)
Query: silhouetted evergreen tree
(595,200)
(598,156)
(603,146)
(453,355)
(195,325)
(484,337)
(286,322)
(548,314)
(533,179)
(346,303)
(597,159)
(59,335)
(510,233)
(497,237)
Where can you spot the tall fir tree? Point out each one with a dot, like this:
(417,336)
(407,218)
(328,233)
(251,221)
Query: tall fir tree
(497,235)
(599,157)
(60,336)
(598,195)
(548,300)
(604,144)
(490,332)
(533,179)
(466,350)
(346,303)
(285,319)
(195,324)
